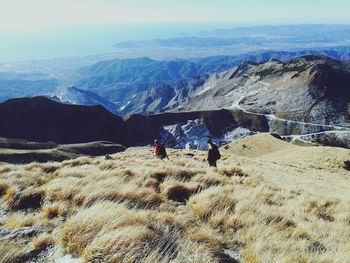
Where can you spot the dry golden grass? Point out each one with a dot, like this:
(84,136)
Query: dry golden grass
(3,189)
(11,251)
(55,210)
(17,220)
(267,202)
(29,198)
(42,241)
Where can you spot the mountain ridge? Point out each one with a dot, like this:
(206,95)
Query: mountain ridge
(311,79)
(118,80)
(44,119)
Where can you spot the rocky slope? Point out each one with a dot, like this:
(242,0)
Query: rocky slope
(308,89)
(162,97)
(305,96)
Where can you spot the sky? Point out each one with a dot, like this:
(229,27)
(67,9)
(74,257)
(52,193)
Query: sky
(46,14)
(35,29)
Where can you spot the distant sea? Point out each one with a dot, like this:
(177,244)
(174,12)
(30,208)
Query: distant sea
(84,40)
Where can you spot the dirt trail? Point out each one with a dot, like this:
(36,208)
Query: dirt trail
(272,117)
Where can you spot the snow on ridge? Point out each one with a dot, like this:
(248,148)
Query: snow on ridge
(125,105)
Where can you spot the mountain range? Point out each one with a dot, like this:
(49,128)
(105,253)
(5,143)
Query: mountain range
(309,89)
(120,80)
(236,41)
(305,95)
(297,94)
(43,119)
(117,80)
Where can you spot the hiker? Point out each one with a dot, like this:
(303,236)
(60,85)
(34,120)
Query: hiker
(159,150)
(213,153)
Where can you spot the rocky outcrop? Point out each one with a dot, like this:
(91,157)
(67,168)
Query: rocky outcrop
(194,134)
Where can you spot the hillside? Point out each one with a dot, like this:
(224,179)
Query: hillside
(118,80)
(268,201)
(308,89)
(22,151)
(42,119)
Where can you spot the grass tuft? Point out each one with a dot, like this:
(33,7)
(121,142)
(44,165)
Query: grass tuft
(29,199)
(212,200)
(180,192)
(3,189)
(232,171)
(42,241)
(53,211)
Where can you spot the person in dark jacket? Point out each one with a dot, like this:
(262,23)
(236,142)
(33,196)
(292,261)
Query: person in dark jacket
(159,150)
(213,154)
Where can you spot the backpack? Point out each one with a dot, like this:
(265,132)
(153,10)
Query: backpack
(216,152)
(162,151)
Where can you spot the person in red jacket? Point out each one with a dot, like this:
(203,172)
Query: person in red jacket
(159,150)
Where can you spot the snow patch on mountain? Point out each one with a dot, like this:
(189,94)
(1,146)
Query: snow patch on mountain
(73,95)
(124,106)
(194,134)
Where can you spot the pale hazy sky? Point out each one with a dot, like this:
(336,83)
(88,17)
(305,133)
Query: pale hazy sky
(44,14)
